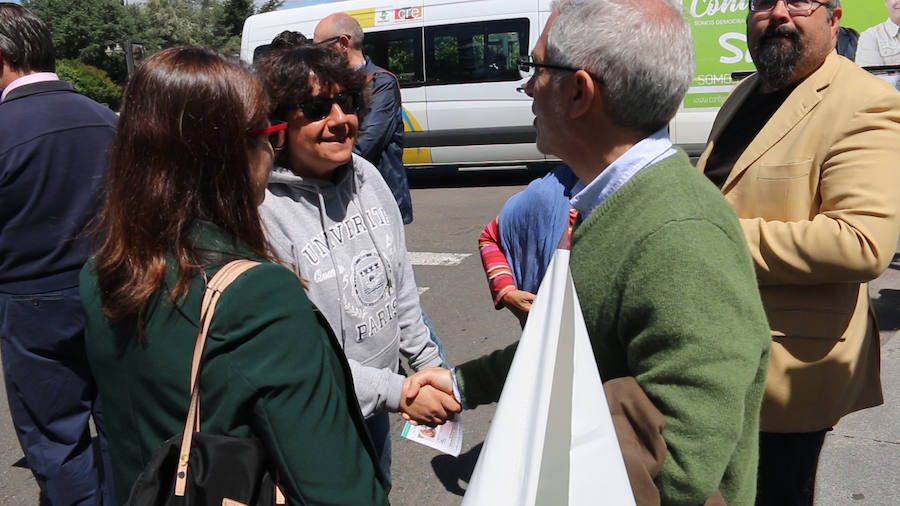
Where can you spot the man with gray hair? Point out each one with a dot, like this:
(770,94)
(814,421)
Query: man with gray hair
(53,155)
(806,152)
(661,268)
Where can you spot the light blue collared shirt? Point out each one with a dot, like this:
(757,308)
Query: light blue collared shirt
(643,154)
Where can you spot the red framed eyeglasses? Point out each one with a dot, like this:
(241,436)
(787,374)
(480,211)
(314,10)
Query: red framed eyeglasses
(275,133)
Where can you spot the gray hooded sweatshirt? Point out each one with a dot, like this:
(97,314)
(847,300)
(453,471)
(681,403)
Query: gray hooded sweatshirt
(346,239)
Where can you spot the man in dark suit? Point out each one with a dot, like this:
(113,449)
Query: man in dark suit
(53,154)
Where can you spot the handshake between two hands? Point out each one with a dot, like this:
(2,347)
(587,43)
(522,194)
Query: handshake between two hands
(428,397)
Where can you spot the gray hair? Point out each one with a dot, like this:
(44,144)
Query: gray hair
(830,6)
(641,49)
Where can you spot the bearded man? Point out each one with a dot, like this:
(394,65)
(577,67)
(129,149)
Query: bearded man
(806,151)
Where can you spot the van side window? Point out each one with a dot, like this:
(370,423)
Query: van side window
(399,51)
(475,52)
(261,51)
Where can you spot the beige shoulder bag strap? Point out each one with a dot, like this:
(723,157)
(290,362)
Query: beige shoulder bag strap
(214,290)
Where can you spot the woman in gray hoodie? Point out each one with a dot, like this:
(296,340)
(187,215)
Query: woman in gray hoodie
(331,217)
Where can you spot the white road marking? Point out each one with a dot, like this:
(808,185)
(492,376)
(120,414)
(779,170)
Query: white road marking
(438,259)
(442,259)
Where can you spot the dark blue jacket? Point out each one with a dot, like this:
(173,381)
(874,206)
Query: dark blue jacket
(847,40)
(381,136)
(54,147)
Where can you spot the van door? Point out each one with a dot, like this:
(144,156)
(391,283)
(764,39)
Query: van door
(395,43)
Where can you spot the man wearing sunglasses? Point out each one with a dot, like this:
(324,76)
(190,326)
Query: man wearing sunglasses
(380,138)
(806,151)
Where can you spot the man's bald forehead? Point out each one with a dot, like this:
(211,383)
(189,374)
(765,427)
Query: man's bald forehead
(339,23)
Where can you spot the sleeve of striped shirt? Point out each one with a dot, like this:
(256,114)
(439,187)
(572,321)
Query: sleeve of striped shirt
(499,275)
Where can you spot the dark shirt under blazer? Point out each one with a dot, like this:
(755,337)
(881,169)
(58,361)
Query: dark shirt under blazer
(817,192)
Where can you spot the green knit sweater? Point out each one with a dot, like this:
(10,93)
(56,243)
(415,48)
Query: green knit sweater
(669,296)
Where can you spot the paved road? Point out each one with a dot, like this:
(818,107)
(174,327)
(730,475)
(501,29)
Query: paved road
(860,457)
(858,462)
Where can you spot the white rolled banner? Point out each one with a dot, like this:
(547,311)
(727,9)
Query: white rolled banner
(552,441)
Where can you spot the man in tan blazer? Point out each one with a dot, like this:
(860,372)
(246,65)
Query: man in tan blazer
(807,150)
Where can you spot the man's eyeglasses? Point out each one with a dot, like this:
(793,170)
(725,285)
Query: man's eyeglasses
(334,39)
(276,134)
(527,64)
(318,107)
(794,7)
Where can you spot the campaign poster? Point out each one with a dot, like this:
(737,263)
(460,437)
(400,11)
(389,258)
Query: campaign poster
(875,21)
(862,14)
(719,29)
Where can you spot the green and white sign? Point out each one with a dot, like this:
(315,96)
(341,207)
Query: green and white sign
(861,14)
(719,28)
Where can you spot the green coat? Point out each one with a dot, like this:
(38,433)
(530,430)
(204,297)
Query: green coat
(669,296)
(270,370)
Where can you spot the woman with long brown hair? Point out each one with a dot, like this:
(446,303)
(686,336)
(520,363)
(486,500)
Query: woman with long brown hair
(189,164)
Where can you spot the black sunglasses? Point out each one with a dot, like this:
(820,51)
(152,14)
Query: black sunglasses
(319,106)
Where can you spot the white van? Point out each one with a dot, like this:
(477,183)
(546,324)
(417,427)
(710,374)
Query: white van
(456,62)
